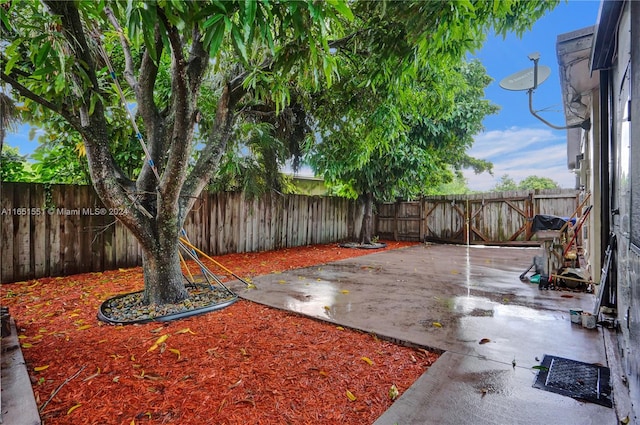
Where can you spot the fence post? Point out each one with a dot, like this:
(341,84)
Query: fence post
(467,221)
(395,220)
(421,226)
(529,218)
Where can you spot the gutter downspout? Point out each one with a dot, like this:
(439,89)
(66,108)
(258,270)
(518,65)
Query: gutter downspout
(605,166)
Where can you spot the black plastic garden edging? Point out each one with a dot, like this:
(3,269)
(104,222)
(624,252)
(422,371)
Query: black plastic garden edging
(102,315)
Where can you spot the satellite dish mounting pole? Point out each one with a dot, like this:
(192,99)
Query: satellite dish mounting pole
(535,57)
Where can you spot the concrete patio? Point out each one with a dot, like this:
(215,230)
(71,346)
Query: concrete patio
(448,298)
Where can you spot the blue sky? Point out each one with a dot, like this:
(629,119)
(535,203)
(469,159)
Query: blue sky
(516,142)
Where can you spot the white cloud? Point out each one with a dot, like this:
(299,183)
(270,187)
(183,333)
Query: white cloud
(521,152)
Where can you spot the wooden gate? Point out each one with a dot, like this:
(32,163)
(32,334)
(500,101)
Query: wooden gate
(400,221)
(488,219)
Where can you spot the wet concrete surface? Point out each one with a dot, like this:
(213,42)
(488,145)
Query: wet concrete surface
(450,299)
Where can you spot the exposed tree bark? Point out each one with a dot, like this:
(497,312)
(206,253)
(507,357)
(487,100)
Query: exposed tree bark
(163,278)
(366,232)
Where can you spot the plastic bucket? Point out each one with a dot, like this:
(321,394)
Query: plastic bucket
(576,315)
(588,321)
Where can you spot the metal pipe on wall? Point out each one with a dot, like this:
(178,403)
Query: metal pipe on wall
(605,143)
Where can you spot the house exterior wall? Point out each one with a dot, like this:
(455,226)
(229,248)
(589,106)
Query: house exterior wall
(309,186)
(626,118)
(610,170)
(623,98)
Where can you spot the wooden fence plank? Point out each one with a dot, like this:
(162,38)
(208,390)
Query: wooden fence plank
(247,223)
(256,231)
(263,236)
(226,224)
(269,209)
(331,219)
(300,229)
(292,222)
(94,235)
(22,231)
(85,234)
(66,233)
(121,245)
(344,219)
(284,214)
(337,217)
(233,216)
(319,230)
(292,225)
(251,223)
(325,214)
(278,220)
(303,221)
(213,229)
(219,199)
(6,233)
(38,228)
(108,231)
(313,235)
(55,230)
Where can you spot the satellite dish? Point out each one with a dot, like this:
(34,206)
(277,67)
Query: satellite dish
(525,79)
(529,80)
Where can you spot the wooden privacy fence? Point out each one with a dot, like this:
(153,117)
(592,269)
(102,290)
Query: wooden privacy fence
(59,230)
(489,218)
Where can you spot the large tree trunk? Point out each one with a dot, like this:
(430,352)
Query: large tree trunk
(163,280)
(366,231)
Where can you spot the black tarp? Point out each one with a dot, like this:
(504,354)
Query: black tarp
(548,222)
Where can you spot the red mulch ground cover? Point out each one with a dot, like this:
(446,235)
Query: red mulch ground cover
(245,364)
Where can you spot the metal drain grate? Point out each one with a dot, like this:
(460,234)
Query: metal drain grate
(582,381)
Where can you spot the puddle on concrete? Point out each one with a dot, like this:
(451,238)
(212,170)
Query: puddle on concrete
(320,298)
(476,271)
(511,311)
(466,304)
(474,306)
(491,382)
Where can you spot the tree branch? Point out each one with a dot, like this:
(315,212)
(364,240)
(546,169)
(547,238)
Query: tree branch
(126,48)
(66,381)
(154,121)
(23,91)
(143,89)
(182,106)
(198,62)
